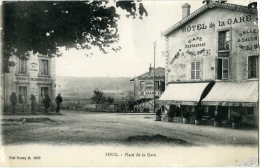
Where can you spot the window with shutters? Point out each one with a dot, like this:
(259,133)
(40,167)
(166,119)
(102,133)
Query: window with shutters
(44,67)
(195,70)
(142,85)
(223,68)
(224,40)
(156,85)
(22,66)
(253,67)
(22,97)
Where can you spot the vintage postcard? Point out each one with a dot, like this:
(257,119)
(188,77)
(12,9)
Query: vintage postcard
(143,83)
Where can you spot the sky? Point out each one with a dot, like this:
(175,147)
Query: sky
(137,39)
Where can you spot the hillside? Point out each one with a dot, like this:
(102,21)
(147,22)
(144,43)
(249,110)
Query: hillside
(84,86)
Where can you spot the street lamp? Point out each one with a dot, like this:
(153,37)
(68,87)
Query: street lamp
(154,80)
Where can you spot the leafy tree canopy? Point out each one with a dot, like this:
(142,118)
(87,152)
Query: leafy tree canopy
(98,96)
(110,100)
(45,26)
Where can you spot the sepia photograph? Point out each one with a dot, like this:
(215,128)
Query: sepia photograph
(132,83)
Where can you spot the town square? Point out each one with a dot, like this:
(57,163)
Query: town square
(131,75)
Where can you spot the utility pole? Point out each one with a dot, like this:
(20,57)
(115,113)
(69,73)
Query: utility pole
(154,79)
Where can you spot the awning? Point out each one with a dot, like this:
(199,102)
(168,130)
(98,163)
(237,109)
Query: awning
(183,93)
(233,94)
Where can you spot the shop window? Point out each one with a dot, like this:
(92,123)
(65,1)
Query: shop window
(44,91)
(211,111)
(22,98)
(224,40)
(223,68)
(195,70)
(223,112)
(44,67)
(253,67)
(250,110)
(22,66)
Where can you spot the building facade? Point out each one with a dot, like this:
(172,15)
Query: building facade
(144,88)
(212,60)
(33,75)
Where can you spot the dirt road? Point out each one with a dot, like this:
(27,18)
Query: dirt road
(74,127)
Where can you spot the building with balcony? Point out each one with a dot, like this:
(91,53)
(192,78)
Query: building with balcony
(33,75)
(144,88)
(212,60)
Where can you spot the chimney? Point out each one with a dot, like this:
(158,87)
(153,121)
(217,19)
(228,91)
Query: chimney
(185,10)
(150,69)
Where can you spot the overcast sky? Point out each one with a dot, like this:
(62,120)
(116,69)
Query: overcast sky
(136,40)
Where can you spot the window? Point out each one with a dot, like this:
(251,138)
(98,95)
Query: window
(224,40)
(223,68)
(195,70)
(44,91)
(22,66)
(162,86)
(142,85)
(44,67)
(156,85)
(22,98)
(253,67)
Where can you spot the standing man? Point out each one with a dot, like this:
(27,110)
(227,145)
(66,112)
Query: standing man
(58,101)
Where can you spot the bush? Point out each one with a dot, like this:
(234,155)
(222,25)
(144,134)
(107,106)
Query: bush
(236,119)
(186,114)
(159,112)
(198,115)
(13,99)
(217,118)
(170,113)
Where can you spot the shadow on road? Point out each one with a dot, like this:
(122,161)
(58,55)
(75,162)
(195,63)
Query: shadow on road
(147,139)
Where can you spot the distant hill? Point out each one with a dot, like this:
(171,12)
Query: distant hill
(84,86)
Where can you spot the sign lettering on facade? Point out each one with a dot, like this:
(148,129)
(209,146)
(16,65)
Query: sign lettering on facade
(247,40)
(33,66)
(220,23)
(21,78)
(40,79)
(33,79)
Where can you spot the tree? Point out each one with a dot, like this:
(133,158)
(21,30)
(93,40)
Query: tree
(98,96)
(252,5)
(45,26)
(110,100)
(130,95)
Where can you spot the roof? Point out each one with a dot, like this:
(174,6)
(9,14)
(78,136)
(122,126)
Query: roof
(232,94)
(207,7)
(142,100)
(157,73)
(184,93)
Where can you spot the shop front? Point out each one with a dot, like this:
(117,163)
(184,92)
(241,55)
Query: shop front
(185,97)
(228,99)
